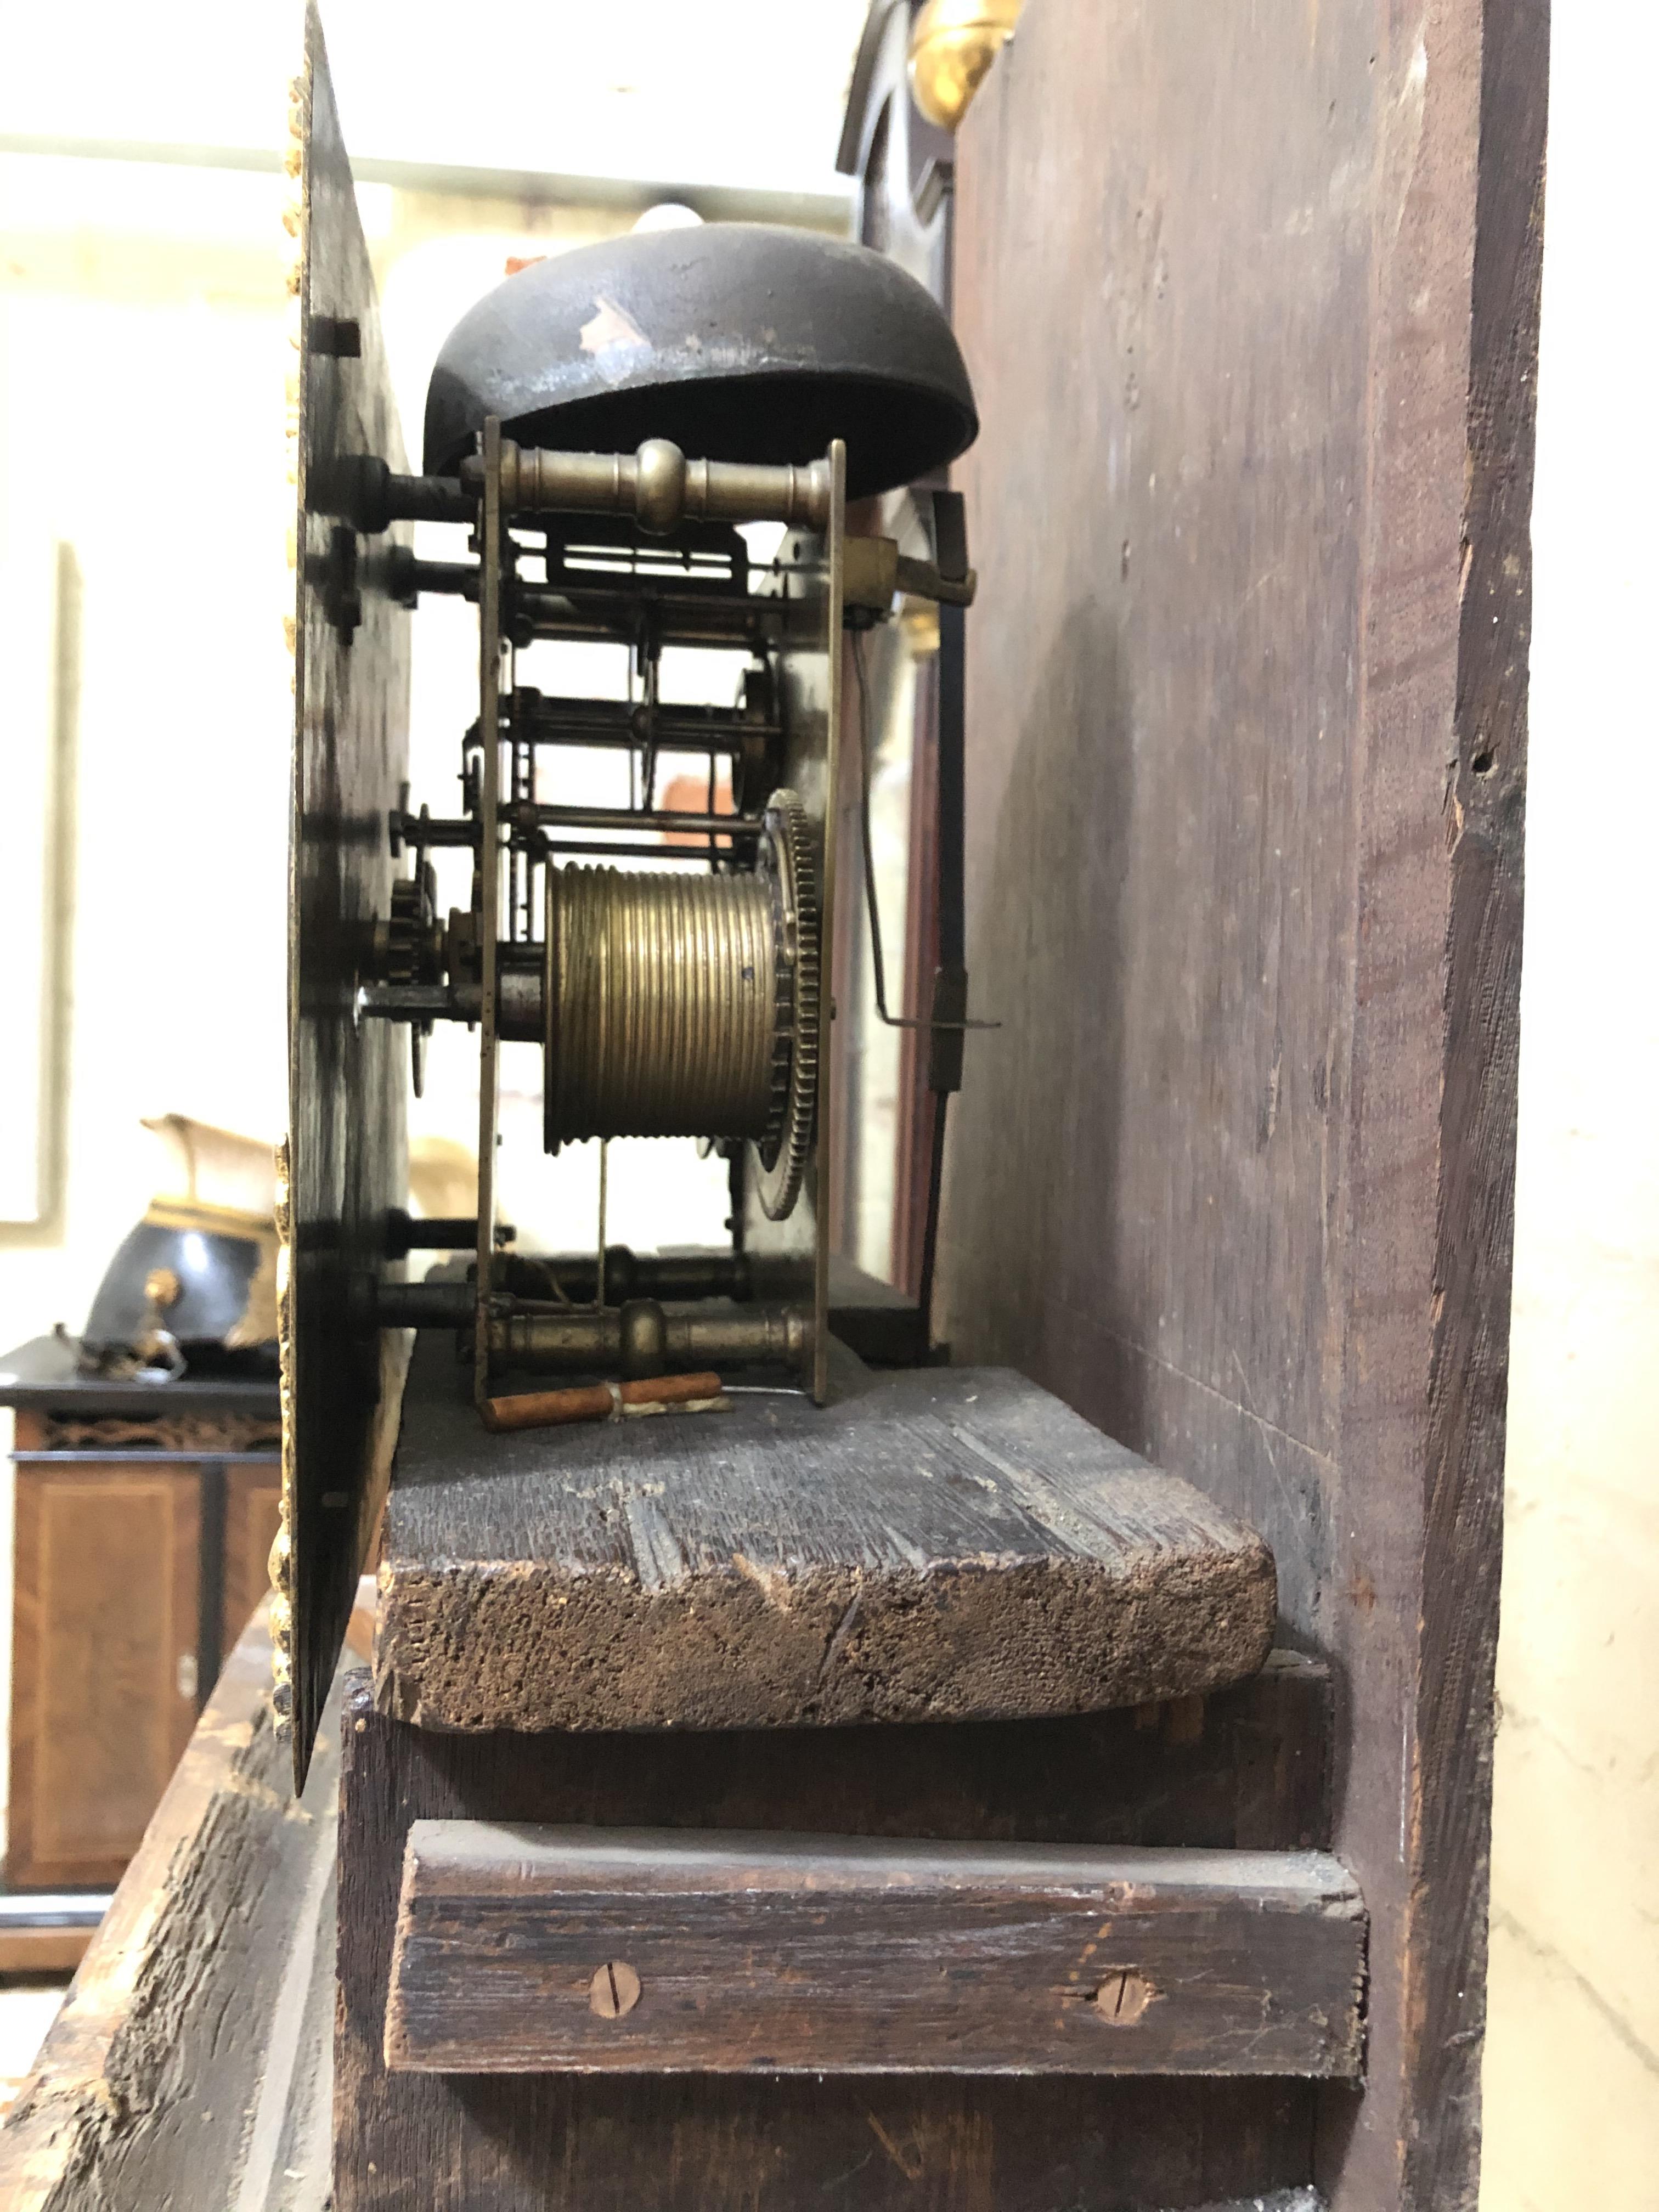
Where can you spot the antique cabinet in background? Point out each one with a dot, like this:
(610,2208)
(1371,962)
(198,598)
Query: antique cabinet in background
(144,1514)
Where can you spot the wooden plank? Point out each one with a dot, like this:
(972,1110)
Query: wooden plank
(525,1949)
(1250,302)
(1248,1768)
(934,1545)
(189,2065)
(1443,2001)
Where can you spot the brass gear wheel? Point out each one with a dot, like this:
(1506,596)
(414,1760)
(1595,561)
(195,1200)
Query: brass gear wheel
(788,857)
(406,930)
(408,935)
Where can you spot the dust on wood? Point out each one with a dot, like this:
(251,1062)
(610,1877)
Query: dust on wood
(932,1545)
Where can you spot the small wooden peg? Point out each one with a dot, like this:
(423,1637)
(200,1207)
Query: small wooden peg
(601,1401)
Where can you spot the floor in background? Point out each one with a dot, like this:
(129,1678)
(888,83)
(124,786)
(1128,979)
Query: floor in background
(27,2011)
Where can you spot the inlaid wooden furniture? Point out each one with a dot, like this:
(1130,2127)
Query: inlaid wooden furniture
(144,1515)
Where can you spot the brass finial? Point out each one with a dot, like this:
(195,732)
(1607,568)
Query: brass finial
(953,45)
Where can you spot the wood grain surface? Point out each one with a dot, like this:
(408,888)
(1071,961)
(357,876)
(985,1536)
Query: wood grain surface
(1249,303)
(933,1545)
(1448,1834)
(834,1954)
(1245,1769)
(190,2066)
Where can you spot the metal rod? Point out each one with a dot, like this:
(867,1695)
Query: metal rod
(431,830)
(605,1176)
(866,777)
(458,578)
(657,487)
(518,1004)
(607,739)
(559,720)
(620,817)
(643,1338)
(681,617)
(428,499)
(151,1456)
(648,746)
(436,1233)
(835,549)
(434,834)
(629,849)
(930,1235)
(952,779)
(406,1232)
(685,1278)
(490,732)
(407,1002)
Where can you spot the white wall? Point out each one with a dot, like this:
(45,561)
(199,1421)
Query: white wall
(141,417)
(1572,2080)
(736,92)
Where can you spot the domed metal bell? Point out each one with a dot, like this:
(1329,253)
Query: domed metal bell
(740,342)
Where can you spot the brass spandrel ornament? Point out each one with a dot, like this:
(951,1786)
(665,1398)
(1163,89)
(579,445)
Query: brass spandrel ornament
(282,1549)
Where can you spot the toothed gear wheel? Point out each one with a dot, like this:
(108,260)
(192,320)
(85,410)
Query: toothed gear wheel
(404,930)
(788,856)
(407,931)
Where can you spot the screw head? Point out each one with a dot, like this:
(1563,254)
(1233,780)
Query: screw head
(614,1990)
(1123,1997)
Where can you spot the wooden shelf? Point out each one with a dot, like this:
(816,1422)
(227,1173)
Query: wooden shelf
(935,1543)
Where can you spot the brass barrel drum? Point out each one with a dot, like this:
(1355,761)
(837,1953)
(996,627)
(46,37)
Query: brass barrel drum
(679,1006)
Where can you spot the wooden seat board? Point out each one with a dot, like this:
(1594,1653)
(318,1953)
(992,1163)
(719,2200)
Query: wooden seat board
(934,1544)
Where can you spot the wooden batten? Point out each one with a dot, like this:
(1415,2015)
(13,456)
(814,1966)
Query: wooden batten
(525,1950)
(1248,1770)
